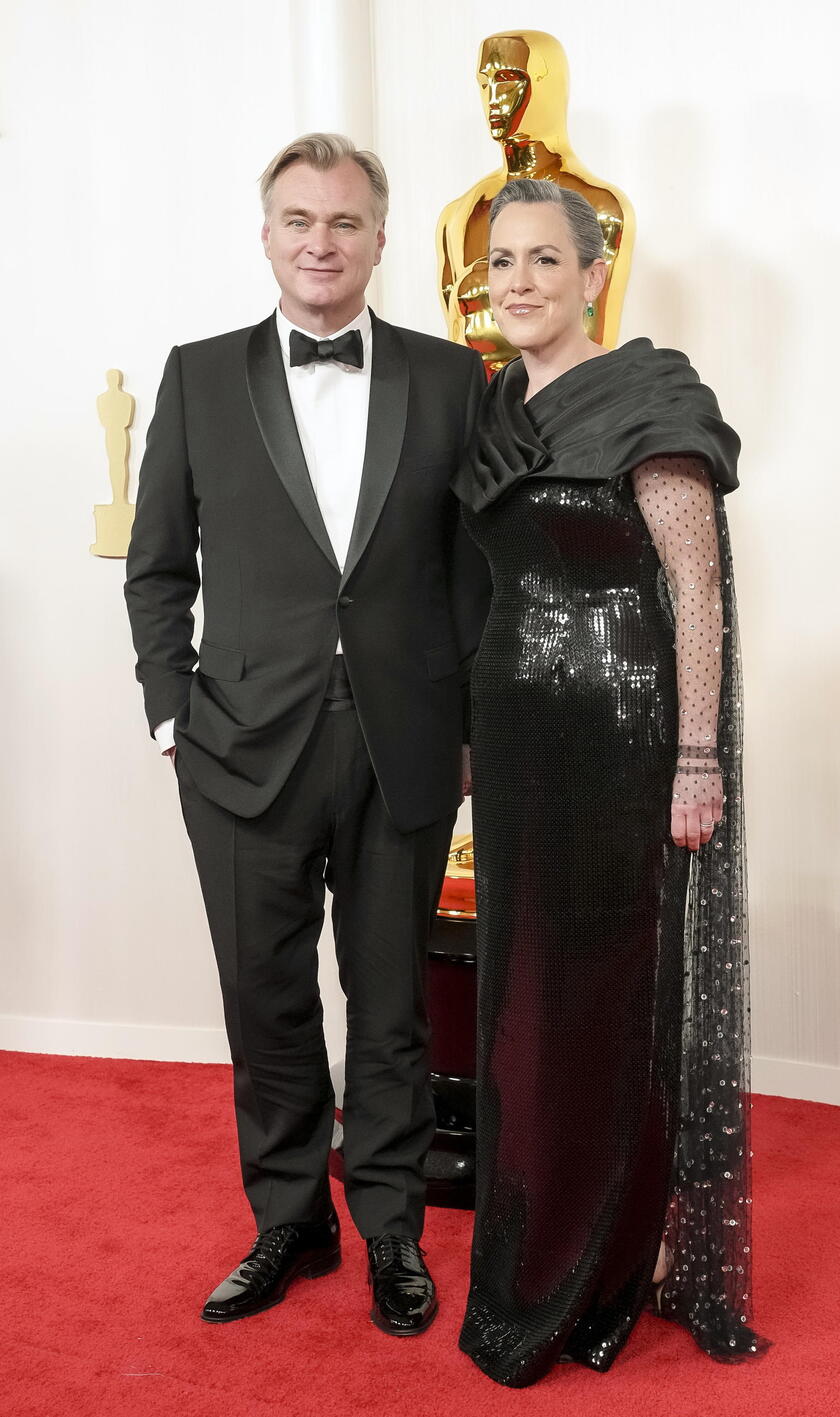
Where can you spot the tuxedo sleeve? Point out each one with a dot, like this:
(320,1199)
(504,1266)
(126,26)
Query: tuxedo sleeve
(162,578)
(471,587)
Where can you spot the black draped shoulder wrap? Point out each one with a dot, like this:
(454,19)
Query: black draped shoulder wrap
(600,420)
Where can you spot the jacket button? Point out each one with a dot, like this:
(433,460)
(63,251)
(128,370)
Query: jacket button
(345,600)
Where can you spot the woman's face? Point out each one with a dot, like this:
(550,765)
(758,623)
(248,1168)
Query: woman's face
(537,288)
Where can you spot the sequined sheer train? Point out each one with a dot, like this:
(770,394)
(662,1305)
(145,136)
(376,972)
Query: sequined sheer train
(613,1026)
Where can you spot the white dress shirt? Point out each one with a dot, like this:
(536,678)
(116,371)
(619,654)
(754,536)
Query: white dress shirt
(330,403)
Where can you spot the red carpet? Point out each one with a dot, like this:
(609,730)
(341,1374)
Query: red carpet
(122,1208)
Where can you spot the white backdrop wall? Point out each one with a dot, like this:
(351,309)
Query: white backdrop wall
(132,137)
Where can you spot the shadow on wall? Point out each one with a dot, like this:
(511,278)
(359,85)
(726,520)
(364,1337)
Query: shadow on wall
(716,300)
(795,911)
(19,880)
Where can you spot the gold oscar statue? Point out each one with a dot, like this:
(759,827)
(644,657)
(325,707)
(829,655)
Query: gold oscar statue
(114,519)
(524,81)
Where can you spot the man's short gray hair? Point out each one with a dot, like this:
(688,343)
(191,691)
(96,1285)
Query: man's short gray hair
(580,214)
(325,151)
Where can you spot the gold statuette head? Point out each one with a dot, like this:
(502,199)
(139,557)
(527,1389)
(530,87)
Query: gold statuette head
(524,82)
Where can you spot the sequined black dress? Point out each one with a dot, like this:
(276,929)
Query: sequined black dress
(613,1047)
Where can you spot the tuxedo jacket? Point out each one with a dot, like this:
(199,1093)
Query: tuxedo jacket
(224,475)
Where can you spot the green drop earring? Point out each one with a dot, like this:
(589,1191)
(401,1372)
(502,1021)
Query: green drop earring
(590,310)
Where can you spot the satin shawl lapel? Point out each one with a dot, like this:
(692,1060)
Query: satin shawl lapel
(385,433)
(275,417)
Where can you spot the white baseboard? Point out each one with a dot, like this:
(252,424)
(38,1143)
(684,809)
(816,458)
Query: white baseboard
(782,1077)
(86,1038)
(785,1077)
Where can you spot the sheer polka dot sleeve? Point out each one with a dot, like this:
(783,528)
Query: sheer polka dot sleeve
(676,498)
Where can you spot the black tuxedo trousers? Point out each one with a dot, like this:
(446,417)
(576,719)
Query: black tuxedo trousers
(298,771)
(263,880)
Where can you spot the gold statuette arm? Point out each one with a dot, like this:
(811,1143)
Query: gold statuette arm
(447,276)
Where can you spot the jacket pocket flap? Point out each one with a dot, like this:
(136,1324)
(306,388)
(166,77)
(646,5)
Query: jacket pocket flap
(219,663)
(442,661)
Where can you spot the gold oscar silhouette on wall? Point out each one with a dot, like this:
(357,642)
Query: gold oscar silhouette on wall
(524,82)
(114,519)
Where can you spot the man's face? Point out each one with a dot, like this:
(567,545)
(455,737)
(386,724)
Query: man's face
(323,241)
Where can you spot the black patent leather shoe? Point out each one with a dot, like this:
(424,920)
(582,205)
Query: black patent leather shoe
(404,1298)
(285,1252)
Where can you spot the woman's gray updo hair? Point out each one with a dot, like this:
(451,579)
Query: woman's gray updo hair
(580,214)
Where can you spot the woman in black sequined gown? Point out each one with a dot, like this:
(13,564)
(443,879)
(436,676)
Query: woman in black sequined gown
(613,1050)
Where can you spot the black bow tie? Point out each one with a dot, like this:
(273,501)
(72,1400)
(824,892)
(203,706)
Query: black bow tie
(347,349)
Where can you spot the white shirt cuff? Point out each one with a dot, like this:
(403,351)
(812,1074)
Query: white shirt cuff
(165,736)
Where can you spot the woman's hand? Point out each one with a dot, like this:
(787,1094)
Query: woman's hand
(697,803)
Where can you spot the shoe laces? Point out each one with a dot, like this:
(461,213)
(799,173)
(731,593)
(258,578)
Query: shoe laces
(398,1252)
(268,1249)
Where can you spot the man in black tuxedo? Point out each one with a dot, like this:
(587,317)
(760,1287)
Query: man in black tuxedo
(319,740)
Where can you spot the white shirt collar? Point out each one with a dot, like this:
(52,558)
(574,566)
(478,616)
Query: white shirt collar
(362,323)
